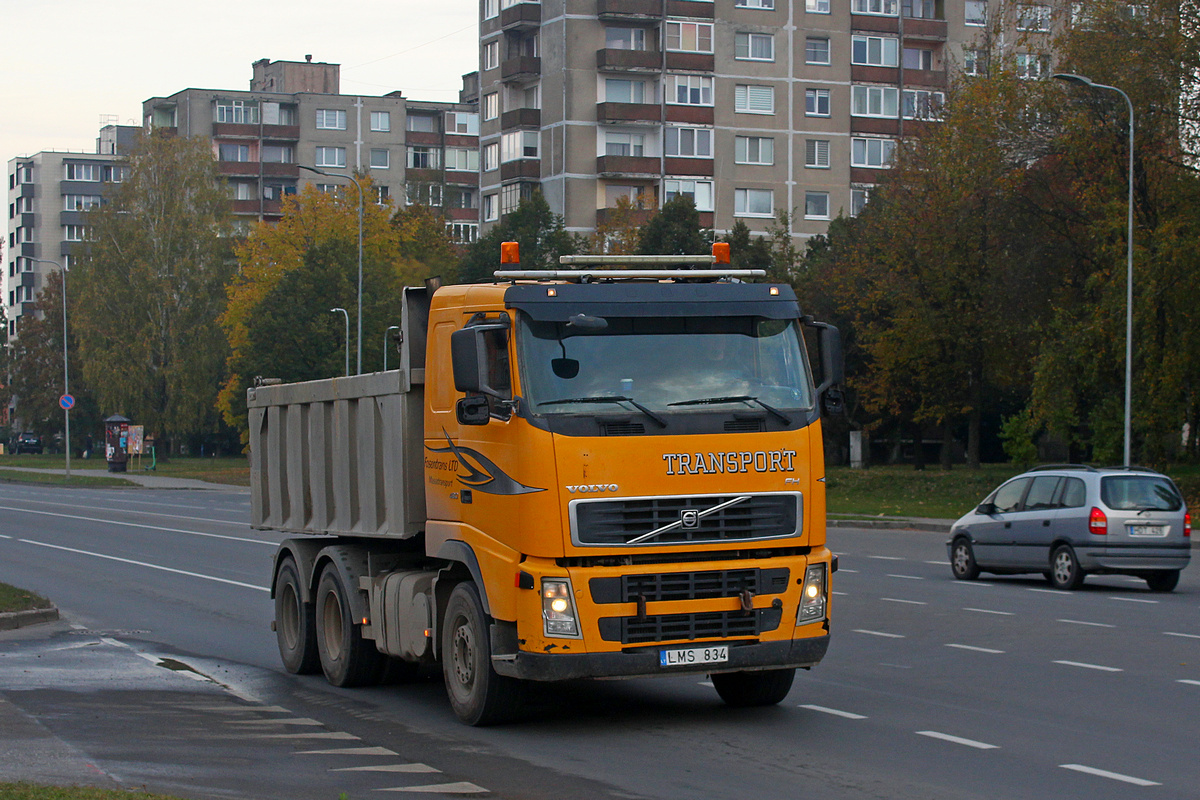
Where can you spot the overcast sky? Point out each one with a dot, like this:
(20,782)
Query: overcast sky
(65,63)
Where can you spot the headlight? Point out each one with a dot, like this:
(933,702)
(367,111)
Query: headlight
(558,608)
(812,596)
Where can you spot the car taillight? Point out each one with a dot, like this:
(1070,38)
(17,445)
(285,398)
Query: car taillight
(1187,523)
(1097,522)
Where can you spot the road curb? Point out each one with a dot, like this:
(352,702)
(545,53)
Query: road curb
(11,620)
(891,524)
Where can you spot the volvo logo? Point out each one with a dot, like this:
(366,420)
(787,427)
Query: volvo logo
(689,518)
(593,487)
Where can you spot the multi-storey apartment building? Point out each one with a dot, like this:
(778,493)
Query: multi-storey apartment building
(295,115)
(750,107)
(49,194)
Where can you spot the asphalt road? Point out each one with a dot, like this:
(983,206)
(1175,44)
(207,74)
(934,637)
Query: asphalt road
(164,674)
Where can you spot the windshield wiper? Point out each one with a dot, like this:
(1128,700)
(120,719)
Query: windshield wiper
(662,423)
(741,398)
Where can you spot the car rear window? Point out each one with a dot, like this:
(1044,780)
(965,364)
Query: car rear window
(1139,492)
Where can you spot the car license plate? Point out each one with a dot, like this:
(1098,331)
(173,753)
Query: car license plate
(687,656)
(1148,530)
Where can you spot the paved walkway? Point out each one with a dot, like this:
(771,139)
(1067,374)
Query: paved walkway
(143,479)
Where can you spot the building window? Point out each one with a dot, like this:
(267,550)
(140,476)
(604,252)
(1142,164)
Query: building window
(381,121)
(510,198)
(1033,18)
(688,142)
(886,8)
(491,106)
(463,232)
(383,195)
(278,154)
(328,188)
(918,58)
(422,123)
(331,119)
(516,145)
(701,192)
(462,159)
(816,102)
(625,38)
(754,99)
(690,37)
(491,9)
(624,144)
(463,122)
(874,51)
(918,9)
(875,101)
(753,203)
(816,6)
(754,150)
(767,5)
(380,158)
(858,200)
(874,153)
(277,191)
(25,173)
(77,233)
(973,61)
(491,212)
(920,104)
(614,193)
(816,50)
(975,13)
(241,190)
(331,156)
(423,194)
(423,157)
(617,90)
(82,172)
(491,55)
(462,198)
(237,112)
(1032,65)
(114,174)
(816,153)
(491,156)
(233,152)
(754,47)
(76,202)
(690,90)
(816,205)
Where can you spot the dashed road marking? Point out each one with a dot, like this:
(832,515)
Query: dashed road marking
(843,569)
(1190,682)
(1099,667)
(990,611)
(976,649)
(973,583)
(336,735)
(409,768)
(1184,635)
(1116,776)
(908,602)
(835,712)
(886,558)
(282,721)
(350,751)
(879,633)
(945,737)
(138,525)
(840,594)
(1133,600)
(1049,591)
(460,787)
(1092,624)
(939,563)
(908,577)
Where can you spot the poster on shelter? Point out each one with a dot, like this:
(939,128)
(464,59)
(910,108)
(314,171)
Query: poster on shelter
(135,439)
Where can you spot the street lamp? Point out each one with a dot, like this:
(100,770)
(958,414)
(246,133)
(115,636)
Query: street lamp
(1080,80)
(63,401)
(358,186)
(385,343)
(347,316)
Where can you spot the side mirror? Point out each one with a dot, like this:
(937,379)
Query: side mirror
(833,369)
(987,509)
(472,410)
(833,402)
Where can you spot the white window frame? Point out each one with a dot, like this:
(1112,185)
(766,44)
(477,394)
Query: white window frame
(759,150)
(816,154)
(633,39)
(922,54)
(978,19)
(240,148)
(877,8)
(973,61)
(812,58)
(491,211)
(699,87)
(701,140)
(746,43)
(491,54)
(817,96)
(87,173)
(331,119)
(71,202)
(748,203)
(491,106)
(1033,17)
(814,212)
(872,152)
(462,159)
(1032,66)
(874,101)
(753,99)
(77,233)
(465,123)
(636,94)
(816,6)
(859,197)
(875,51)
(763,5)
(381,121)
(932,102)
(689,37)
(491,156)
(287,154)
(381,158)
(433,155)
(330,156)
(520,145)
(701,192)
(633,143)
(491,9)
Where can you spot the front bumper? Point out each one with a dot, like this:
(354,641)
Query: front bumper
(644,662)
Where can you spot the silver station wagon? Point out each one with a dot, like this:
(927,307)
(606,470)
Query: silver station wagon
(1068,521)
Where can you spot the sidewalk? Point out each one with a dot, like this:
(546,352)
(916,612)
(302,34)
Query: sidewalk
(141,479)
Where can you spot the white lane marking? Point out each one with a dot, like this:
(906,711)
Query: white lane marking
(2,536)
(282,721)
(909,602)
(843,569)
(840,594)
(976,649)
(886,558)
(908,577)
(146,513)
(460,787)
(147,565)
(1089,666)
(349,751)
(1092,624)
(945,737)
(1133,600)
(973,583)
(879,633)
(1116,776)
(939,563)
(1049,591)
(412,768)
(1184,635)
(337,735)
(1189,682)
(833,711)
(989,611)
(135,525)
(233,709)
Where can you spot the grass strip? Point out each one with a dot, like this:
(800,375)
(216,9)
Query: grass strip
(14,599)
(29,791)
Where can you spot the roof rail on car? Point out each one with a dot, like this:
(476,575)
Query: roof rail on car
(1042,467)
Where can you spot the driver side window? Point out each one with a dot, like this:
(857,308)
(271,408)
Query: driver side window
(1008,496)
(499,376)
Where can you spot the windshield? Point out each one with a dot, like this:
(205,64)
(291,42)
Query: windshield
(1139,493)
(665,364)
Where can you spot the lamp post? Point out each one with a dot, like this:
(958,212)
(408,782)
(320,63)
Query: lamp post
(385,343)
(347,316)
(358,186)
(66,373)
(1080,80)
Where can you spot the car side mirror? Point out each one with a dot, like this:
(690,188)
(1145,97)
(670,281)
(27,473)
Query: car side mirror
(987,509)
(472,410)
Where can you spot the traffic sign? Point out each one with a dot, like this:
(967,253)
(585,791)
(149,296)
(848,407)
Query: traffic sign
(66,401)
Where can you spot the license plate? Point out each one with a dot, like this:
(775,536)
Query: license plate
(687,656)
(1148,530)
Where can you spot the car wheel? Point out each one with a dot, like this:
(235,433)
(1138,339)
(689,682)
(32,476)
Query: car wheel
(748,689)
(1065,572)
(962,560)
(1162,580)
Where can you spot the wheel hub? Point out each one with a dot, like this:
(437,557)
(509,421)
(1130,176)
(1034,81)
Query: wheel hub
(464,655)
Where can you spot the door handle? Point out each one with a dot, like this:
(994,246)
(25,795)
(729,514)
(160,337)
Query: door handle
(1008,524)
(1045,523)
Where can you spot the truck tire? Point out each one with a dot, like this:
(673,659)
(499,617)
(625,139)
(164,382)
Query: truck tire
(294,623)
(747,689)
(347,659)
(478,695)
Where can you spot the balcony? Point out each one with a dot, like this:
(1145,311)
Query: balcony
(635,216)
(281,132)
(276,170)
(872,23)
(620,166)
(27,249)
(925,28)
(521,118)
(629,9)
(240,169)
(692,62)
(866,175)
(679,165)
(628,112)
(522,16)
(933,78)
(72,218)
(27,220)
(860,73)
(698,115)
(461,214)
(231,130)
(528,168)
(28,278)
(245,207)
(28,190)
(882,125)
(461,177)
(423,175)
(520,69)
(629,60)
(696,9)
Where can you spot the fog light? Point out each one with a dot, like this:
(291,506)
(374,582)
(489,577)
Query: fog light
(812,600)
(558,608)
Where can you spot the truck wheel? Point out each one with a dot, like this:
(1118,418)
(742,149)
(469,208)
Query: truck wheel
(1162,580)
(294,623)
(746,689)
(347,659)
(477,693)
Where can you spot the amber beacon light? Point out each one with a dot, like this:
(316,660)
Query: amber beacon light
(510,253)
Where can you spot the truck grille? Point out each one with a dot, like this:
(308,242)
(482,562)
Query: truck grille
(688,627)
(692,519)
(688,585)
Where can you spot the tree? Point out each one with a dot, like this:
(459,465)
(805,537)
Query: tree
(147,296)
(675,230)
(424,240)
(541,234)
